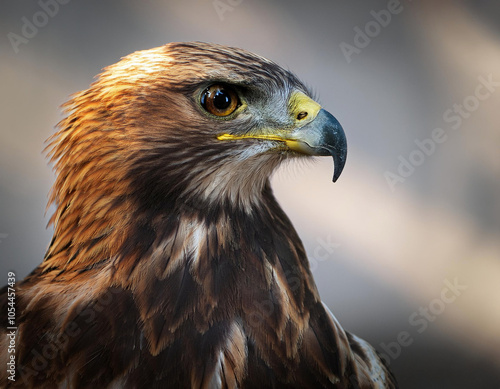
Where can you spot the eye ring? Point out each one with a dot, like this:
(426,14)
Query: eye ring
(219,100)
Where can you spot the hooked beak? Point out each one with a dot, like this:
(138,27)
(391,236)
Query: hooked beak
(321,137)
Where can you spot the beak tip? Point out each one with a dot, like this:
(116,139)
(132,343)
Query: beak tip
(338,168)
(339,154)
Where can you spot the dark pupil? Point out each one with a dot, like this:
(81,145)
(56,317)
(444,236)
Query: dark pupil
(222,100)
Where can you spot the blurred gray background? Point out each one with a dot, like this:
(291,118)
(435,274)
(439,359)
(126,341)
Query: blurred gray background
(390,237)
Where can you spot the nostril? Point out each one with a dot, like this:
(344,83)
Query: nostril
(301,115)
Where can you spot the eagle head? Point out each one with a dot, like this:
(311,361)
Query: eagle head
(193,122)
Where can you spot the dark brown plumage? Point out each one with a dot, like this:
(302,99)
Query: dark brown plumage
(172,265)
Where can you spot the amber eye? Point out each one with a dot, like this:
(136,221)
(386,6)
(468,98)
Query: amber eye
(219,100)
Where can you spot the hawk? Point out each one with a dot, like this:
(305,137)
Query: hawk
(172,264)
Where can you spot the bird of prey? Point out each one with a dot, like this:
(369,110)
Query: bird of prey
(172,264)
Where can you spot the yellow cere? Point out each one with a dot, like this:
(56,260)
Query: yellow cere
(300,104)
